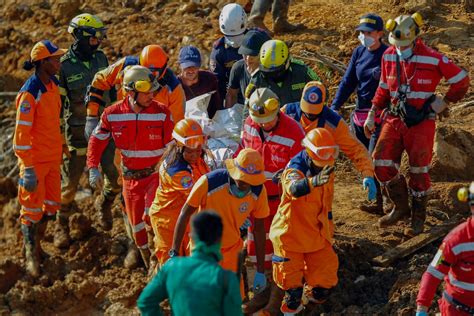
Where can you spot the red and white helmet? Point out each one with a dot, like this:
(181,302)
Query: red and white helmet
(233,20)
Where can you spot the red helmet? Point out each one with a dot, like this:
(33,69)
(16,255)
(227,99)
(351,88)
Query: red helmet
(154,58)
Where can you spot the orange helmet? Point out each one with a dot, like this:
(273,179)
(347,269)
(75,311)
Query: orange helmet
(188,133)
(321,147)
(154,58)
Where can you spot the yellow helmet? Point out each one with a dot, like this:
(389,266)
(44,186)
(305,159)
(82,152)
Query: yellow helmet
(139,79)
(87,25)
(264,105)
(274,56)
(404,29)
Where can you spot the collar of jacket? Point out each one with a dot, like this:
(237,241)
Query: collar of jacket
(203,251)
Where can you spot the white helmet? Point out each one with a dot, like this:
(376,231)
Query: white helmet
(233,20)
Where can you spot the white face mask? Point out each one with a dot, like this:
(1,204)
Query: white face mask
(366,41)
(234,41)
(404,54)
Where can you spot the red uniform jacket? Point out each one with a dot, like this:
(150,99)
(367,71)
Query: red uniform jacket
(277,149)
(140,137)
(454,262)
(424,71)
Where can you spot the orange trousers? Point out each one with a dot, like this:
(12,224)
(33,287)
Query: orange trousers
(316,269)
(46,199)
(230,257)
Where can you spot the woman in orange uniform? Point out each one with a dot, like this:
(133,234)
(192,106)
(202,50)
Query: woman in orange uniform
(181,166)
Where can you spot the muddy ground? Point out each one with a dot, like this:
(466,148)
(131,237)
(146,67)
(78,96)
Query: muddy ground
(88,278)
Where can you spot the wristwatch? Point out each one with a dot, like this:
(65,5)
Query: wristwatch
(173,253)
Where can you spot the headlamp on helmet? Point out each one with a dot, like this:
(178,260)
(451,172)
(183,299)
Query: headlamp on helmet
(139,79)
(404,29)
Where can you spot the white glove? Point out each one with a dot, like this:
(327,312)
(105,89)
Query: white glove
(438,105)
(369,125)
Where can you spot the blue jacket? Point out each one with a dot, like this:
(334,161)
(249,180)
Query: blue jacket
(222,58)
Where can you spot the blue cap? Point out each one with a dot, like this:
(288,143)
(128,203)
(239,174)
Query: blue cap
(252,42)
(189,56)
(370,22)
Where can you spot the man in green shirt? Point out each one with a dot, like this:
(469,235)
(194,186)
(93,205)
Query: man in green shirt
(195,285)
(78,67)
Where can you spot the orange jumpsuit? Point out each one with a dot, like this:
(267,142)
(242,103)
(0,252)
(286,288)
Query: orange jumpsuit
(176,181)
(302,232)
(38,143)
(171,92)
(211,192)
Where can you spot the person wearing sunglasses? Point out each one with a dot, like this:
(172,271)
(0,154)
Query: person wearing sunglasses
(182,164)
(302,229)
(277,137)
(78,67)
(235,192)
(312,112)
(39,146)
(169,92)
(141,128)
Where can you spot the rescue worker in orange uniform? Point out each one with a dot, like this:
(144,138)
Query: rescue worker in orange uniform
(39,146)
(170,92)
(180,167)
(236,193)
(411,71)
(312,112)
(454,262)
(302,229)
(277,137)
(141,128)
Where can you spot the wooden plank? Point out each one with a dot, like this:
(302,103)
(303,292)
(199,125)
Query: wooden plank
(415,243)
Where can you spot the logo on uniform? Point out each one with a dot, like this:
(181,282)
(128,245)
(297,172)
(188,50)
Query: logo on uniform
(244,207)
(25,107)
(186,182)
(251,168)
(445,59)
(313,97)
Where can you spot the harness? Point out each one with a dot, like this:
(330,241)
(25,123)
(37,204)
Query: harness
(457,304)
(131,174)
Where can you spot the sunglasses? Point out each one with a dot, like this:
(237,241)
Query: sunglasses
(98,33)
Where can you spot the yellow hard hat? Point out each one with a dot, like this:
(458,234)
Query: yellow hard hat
(263,105)
(87,25)
(139,79)
(404,29)
(274,56)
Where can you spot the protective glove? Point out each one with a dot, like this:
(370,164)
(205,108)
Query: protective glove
(246,224)
(323,176)
(369,125)
(91,123)
(369,183)
(66,151)
(29,180)
(95,178)
(421,313)
(440,107)
(259,282)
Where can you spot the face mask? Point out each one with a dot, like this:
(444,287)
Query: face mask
(404,54)
(366,41)
(234,41)
(234,189)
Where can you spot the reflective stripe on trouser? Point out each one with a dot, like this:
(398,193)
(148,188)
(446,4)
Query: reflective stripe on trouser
(47,196)
(450,310)
(318,269)
(230,257)
(163,228)
(139,194)
(273,204)
(73,169)
(417,141)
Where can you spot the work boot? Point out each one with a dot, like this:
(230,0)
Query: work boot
(103,205)
(258,301)
(274,303)
(373,207)
(257,21)
(398,193)
(418,215)
(280,18)
(132,259)
(40,231)
(145,253)
(61,230)
(292,303)
(30,242)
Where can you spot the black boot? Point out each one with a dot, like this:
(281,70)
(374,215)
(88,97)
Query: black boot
(61,231)
(398,192)
(103,205)
(280,18)
(32,257)
(418,215)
